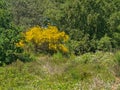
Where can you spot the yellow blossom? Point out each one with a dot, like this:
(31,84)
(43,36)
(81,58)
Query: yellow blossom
(50,35)
(20,44)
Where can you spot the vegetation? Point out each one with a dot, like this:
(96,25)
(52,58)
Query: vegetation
(48,40)
(89,71)
(59,44)
(87,22)
(9,35)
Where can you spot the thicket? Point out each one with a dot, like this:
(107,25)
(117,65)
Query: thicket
(9,35)
(92,25)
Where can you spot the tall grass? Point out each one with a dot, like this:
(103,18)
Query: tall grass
(87,72)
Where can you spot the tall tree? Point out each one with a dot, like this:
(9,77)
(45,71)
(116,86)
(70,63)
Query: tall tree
(27,12)
(86,18)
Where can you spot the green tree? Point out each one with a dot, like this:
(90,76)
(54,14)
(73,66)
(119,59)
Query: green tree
(86,17)
(9,35)
(27,13)
(86,21)
(114,27)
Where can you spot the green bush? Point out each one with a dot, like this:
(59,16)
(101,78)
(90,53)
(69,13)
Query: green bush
(9,35)
(105,43)
(87,21)
(83,45)
(26,56)
(8,49)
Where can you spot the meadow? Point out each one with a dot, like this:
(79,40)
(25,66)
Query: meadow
(90,71)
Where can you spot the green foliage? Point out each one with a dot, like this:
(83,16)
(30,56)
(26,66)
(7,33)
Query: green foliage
(26,56)
(114,26)
(27,13)
(81,18)
(83,45)
(105,43)
(5,18)
(58,55)
(91,24)
(117,66)
(85,21)
(8,49)
(2,4)
(88,71)
(117,57)
(9,35)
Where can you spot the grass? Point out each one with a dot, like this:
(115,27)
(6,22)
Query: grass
(91,71)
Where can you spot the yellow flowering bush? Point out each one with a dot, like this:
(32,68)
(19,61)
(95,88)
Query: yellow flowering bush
(46,39)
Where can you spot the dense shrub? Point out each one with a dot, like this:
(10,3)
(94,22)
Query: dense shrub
(85,21)
(45,40)
(95,18)
(9,35)
(8,49)
(105,43)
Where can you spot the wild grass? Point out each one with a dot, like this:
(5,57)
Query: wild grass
(91,71)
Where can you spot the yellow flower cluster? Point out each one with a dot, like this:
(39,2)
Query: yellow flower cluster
(50,35)
(20,44)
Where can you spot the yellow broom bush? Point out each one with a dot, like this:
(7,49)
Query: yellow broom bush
(46,39)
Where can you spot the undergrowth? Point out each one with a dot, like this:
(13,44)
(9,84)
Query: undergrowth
(91,71)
